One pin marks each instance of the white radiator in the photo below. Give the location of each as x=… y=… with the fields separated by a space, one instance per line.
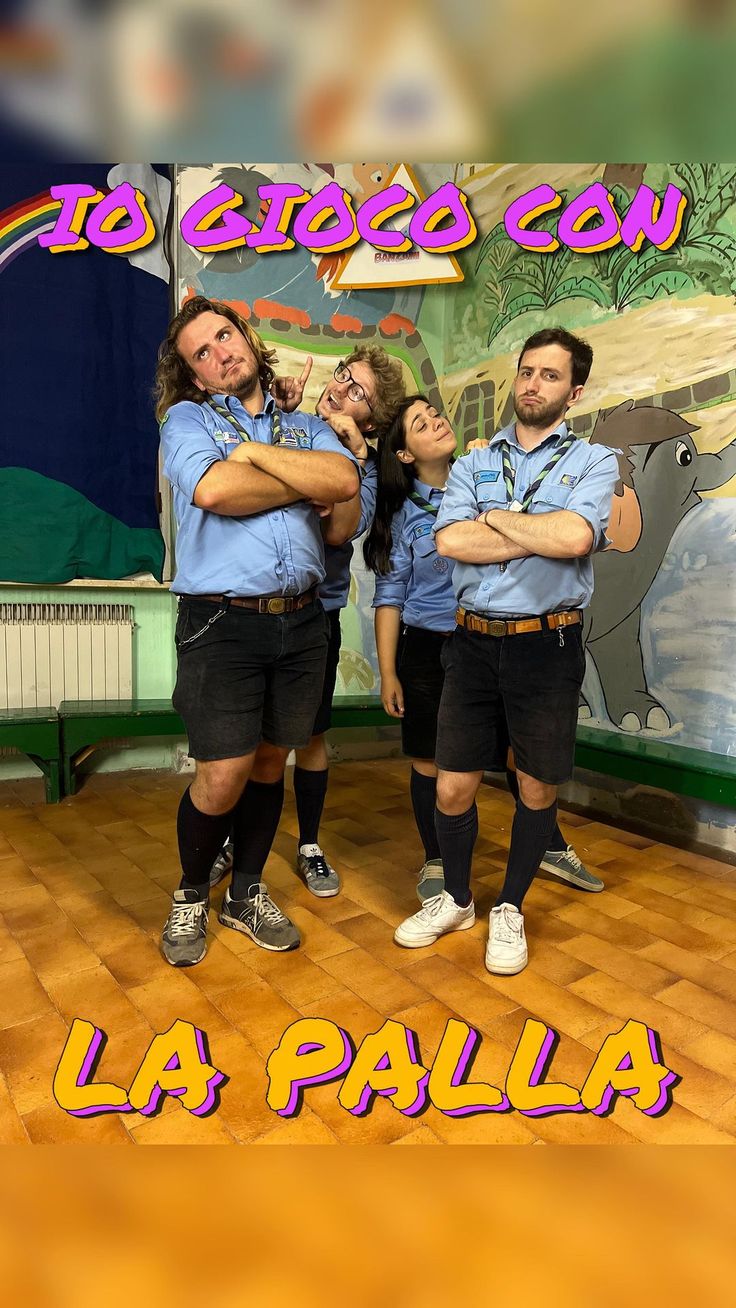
x=51 y=652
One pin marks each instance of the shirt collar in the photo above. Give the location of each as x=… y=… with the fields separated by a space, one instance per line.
x=427 y=491
x=268 y=407
x=560 y=433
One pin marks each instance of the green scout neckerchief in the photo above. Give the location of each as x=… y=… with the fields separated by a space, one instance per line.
x=509 y=476
x=416 y=498
x=223 y=412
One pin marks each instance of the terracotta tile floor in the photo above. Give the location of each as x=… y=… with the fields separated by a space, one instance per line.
x=84 y=890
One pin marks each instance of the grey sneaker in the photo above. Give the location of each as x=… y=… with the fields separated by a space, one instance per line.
x=184 y=937
x=222 y=865
x=566 y=866
x=258 y=917
x=431 y=880
x=320 y=878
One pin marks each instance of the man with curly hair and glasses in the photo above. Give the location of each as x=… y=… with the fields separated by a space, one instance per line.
x=358 y=402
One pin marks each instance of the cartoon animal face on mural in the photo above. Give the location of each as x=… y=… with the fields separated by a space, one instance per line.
x=662 y=478
x=297 y=287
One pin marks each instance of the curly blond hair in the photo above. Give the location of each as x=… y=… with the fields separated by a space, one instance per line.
x=390 y=389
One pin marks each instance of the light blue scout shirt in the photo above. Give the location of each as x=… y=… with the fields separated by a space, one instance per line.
x=277 y=552
x=582 y=481
x=420 y=581
x=334 y=589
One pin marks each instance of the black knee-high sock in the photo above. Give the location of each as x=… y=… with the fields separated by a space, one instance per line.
x=201 y=837
x=557 y=843
x=530 y=835
x=310 y=790
x=423 y=792
x=255 y=823
x=456 y=836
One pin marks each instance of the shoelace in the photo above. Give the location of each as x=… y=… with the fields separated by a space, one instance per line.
x=431 y=907
x=318 y=865
x=572 y=857
x=431 y=866
x=504 y=930
x=184 y=918
x=266 y=909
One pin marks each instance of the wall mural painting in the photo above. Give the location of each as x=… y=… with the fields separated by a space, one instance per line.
x=662 y=323
x=290 y=300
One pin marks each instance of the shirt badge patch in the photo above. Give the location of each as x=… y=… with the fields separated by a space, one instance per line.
x=423 y=529
x=568 y=480
x=229 y=437
x=440 y=565
x=479 y=477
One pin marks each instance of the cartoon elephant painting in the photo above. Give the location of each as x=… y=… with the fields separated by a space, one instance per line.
x=662 y=475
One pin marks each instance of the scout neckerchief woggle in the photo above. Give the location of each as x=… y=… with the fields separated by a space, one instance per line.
x=223 y=412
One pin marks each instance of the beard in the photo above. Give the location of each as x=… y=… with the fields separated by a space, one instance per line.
x=539 y=414
x=241 y=381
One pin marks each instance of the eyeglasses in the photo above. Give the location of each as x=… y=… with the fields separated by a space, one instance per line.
x=355 y=390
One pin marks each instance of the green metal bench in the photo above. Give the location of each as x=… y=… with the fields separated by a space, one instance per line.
x=660 y=763
x=87 y=725
x=35 y=732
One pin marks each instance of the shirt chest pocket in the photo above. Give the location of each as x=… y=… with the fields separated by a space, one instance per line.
x=490 y=495
x=423 y=547
x=550 y=496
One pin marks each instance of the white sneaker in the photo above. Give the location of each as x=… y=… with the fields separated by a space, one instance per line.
x=438 y=915
x=506 y=952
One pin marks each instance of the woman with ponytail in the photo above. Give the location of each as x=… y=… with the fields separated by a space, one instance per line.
x=414 y=601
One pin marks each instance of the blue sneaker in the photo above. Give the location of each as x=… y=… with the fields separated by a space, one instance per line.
x=431 y=880
x=565 y=865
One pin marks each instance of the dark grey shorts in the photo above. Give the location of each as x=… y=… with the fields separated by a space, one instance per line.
x=244 y=677
x=420 y=671
x=520 y=690
x=324 y=712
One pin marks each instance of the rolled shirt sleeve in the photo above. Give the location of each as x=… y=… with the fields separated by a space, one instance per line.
x=592 y=494
x=368 y=494
x=391 y=589
x=323 y=438
x=189 y=448
x=459 y=501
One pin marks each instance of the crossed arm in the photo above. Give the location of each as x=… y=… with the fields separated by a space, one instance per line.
x=256 y=477
x=500 y=535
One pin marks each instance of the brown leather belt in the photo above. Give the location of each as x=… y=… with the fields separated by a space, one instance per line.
x=498 y=627
x=262 y=603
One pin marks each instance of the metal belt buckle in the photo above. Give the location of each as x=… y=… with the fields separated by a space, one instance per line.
x=497 y=627
x=277 y=605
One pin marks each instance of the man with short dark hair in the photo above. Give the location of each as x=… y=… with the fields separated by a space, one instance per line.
x=249 y=485
x=521 y=518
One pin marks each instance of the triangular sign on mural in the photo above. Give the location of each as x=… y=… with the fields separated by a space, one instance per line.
x=366 y=268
